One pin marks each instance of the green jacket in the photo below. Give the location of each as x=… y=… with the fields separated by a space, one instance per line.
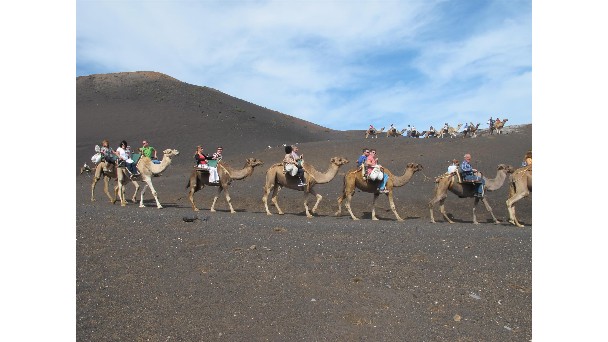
x=148 y=151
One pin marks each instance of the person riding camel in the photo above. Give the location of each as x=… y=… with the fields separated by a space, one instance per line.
x=290 y=163
x=470 y=175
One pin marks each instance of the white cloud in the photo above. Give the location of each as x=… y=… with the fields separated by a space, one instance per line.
x=336 y=63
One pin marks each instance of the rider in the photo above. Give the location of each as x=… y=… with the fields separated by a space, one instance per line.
x=149 y=151
x=453 y=167
x=372 y=129
x=527 y=159
x=362 y=159
x=290 y=161
x=372 y=163
x=469 y=175
x=107 y=153
x=124 y=155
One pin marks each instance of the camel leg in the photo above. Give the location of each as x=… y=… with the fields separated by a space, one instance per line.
x=219 y=190
x=376 y=194
x=141 y=201
x=265 y=199
x=443 y=211
x=392 y=204
x=319 y=198
x=191 y=192
x=489 y=209
x=349 y=197
x=149 y=183
x=106 y=181
x=274 y=198
x=340 y=199
x=306 y=204
x=95 y=180
x=134 y=198
x=121 y=194
x=511 y=208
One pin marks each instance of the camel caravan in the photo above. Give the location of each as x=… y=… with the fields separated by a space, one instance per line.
x=296 y=174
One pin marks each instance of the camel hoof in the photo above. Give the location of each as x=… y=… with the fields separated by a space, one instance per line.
x=195 y=209
x=159 y=207
x=475 y=222
x=212 y=210
x=142 y=206
x=375 y=219
x=401 y=220
x=497 y=222
x=268 y=214
x=355 y=219
x=233 y=212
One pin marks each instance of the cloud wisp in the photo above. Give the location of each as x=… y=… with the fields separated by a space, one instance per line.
x=340 y=64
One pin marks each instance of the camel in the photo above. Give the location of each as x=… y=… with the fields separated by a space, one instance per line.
x=106 y=178
x=454 y=131
x=499 y=126
x=471 y=130
x=428 y=134
x=394 y=132
x=417 y=134
x=276 y=178
x=147 y=169
x=450 y=182
x=451 y=131
x=520 y=186
x=374 y=134
x=199 y=179
x=354 y=178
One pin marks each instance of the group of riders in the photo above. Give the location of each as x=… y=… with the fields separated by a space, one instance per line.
x=411 y=130
x=123 y=156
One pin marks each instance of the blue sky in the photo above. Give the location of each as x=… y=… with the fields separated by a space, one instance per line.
x=340 y=64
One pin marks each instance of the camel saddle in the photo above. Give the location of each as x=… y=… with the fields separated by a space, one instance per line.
x=461 y=179
x=210 y=163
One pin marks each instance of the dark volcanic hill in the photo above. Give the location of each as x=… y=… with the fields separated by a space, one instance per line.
x=170 y=113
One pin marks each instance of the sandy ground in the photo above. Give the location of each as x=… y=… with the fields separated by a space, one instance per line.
x=145 y=274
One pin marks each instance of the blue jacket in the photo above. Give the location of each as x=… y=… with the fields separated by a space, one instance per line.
x=466 y=168
x=361 y=160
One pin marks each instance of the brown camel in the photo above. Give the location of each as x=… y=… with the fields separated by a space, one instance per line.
x=354 y=179
x=106 y=179
x=429 y=134
x=374 y=134
x=450 y=182
x=276 y=178
x=198 y=180
x=451 y=131
x=520 y=186
x=471 y=130
x=394 y=132
x=499 y=126
x=147 y=169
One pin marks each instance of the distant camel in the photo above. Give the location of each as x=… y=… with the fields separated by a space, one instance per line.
x=276 y=178
x=394 y=132
x=520 y=186
x=354 y=179
x=428 y=134
x=373 y=133
x=198 y=180
x=451 y=131
x=450 y=182
x=146 y=169
x=417 y=134
x=471 y=130
x=454 y=131
x=499 y=126
x=106 y=179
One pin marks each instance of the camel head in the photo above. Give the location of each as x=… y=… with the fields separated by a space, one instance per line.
x=170 y=153
x=253 y=162
x=414 y=166
x=339 y=161
x=506 y=167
